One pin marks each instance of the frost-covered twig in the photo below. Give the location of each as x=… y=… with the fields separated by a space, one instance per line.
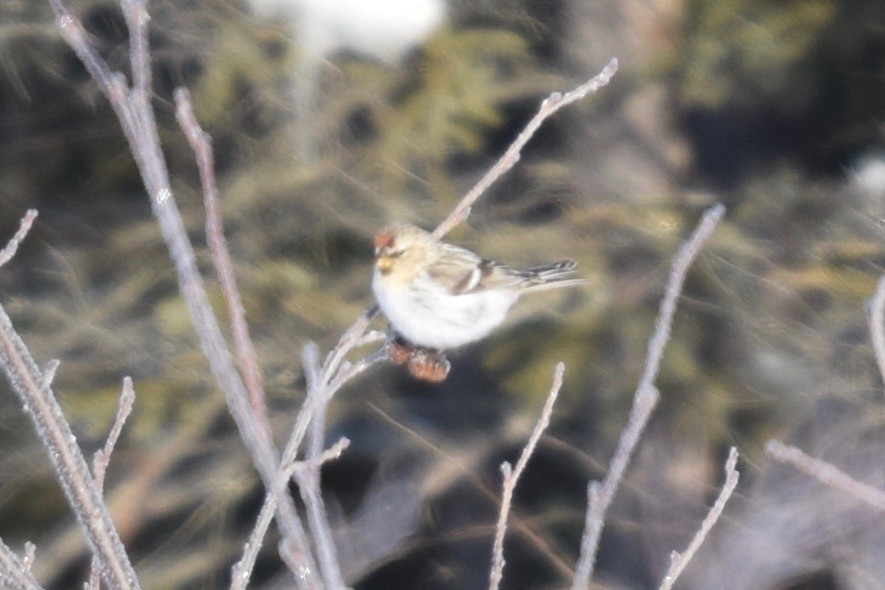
x=35 y=392
x=877 y=326
x=826 y=472
x=24 y=226
x=549 y=106
x=307 y=475
x=242 y=570
x=102 y=457
x=67 y=459
x=512 y=474
x=136 y=116
x=599 y=496
x=15 y=573
x=678 y=561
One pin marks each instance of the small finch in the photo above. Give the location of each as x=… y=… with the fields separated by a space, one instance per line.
x=439 y=296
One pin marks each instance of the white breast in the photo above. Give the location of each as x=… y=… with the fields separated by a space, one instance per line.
x=434 y=318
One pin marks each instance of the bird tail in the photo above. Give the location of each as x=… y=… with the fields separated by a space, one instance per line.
x=552 y=276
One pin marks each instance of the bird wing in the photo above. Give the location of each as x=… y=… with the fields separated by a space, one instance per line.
x=460 y=272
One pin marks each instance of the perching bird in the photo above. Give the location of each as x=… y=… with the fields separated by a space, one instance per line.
x=439 y=296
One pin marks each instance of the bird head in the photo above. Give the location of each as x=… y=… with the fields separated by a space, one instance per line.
x=401 y=249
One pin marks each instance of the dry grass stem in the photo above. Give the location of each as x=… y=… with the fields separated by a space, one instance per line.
x=600 y=496
x=678 y=561
x=511 y=156
x=826 y=472
x=512 y=474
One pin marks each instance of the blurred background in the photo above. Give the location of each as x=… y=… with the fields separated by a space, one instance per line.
x=333 y=119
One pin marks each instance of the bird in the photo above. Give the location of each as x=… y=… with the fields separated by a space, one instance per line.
x=438 y=296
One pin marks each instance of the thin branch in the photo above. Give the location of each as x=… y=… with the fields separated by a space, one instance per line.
x=600 y=496
x=242 y=570
x=826 y=472
x=136 y=118
x=549 y=106
x=247 y=358
x=102 y=457
x=15 y=573
x=877 y=325
x=512 y=475
x=678 y=561
x=49 y=371
x=307 y=475
x=30 y=555
x=67 y=459
x=24 y=226
x=34 y=390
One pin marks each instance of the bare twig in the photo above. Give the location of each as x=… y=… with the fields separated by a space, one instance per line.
x=24 y=226
x=30 y=555
x=600 y=496
x=136 y=116
x=678 y=561
x=49 y=371
x=307 y=474
x=247 y=358
x=826 y=472
x=34 y=390
x=877 y=326
x=512 y=474
x=242 y=570
x=102 y=457
x=15 y=573
x=70 y=466
x=549 y=106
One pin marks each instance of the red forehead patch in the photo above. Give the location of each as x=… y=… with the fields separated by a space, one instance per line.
x=384 y=240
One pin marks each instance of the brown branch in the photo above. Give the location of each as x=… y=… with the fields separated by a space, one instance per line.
x=549 y=106
x=826 y=472
x=247 y=358
x=512 y=474
x=600 y=496
x=678 y=561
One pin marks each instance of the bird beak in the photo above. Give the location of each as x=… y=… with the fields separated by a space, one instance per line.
x=384 y=263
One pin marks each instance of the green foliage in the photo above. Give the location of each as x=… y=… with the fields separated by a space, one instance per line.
x=741 y=52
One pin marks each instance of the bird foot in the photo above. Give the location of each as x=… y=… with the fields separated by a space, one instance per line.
x=424 y=364
x=398 y=351
x=429 y=365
